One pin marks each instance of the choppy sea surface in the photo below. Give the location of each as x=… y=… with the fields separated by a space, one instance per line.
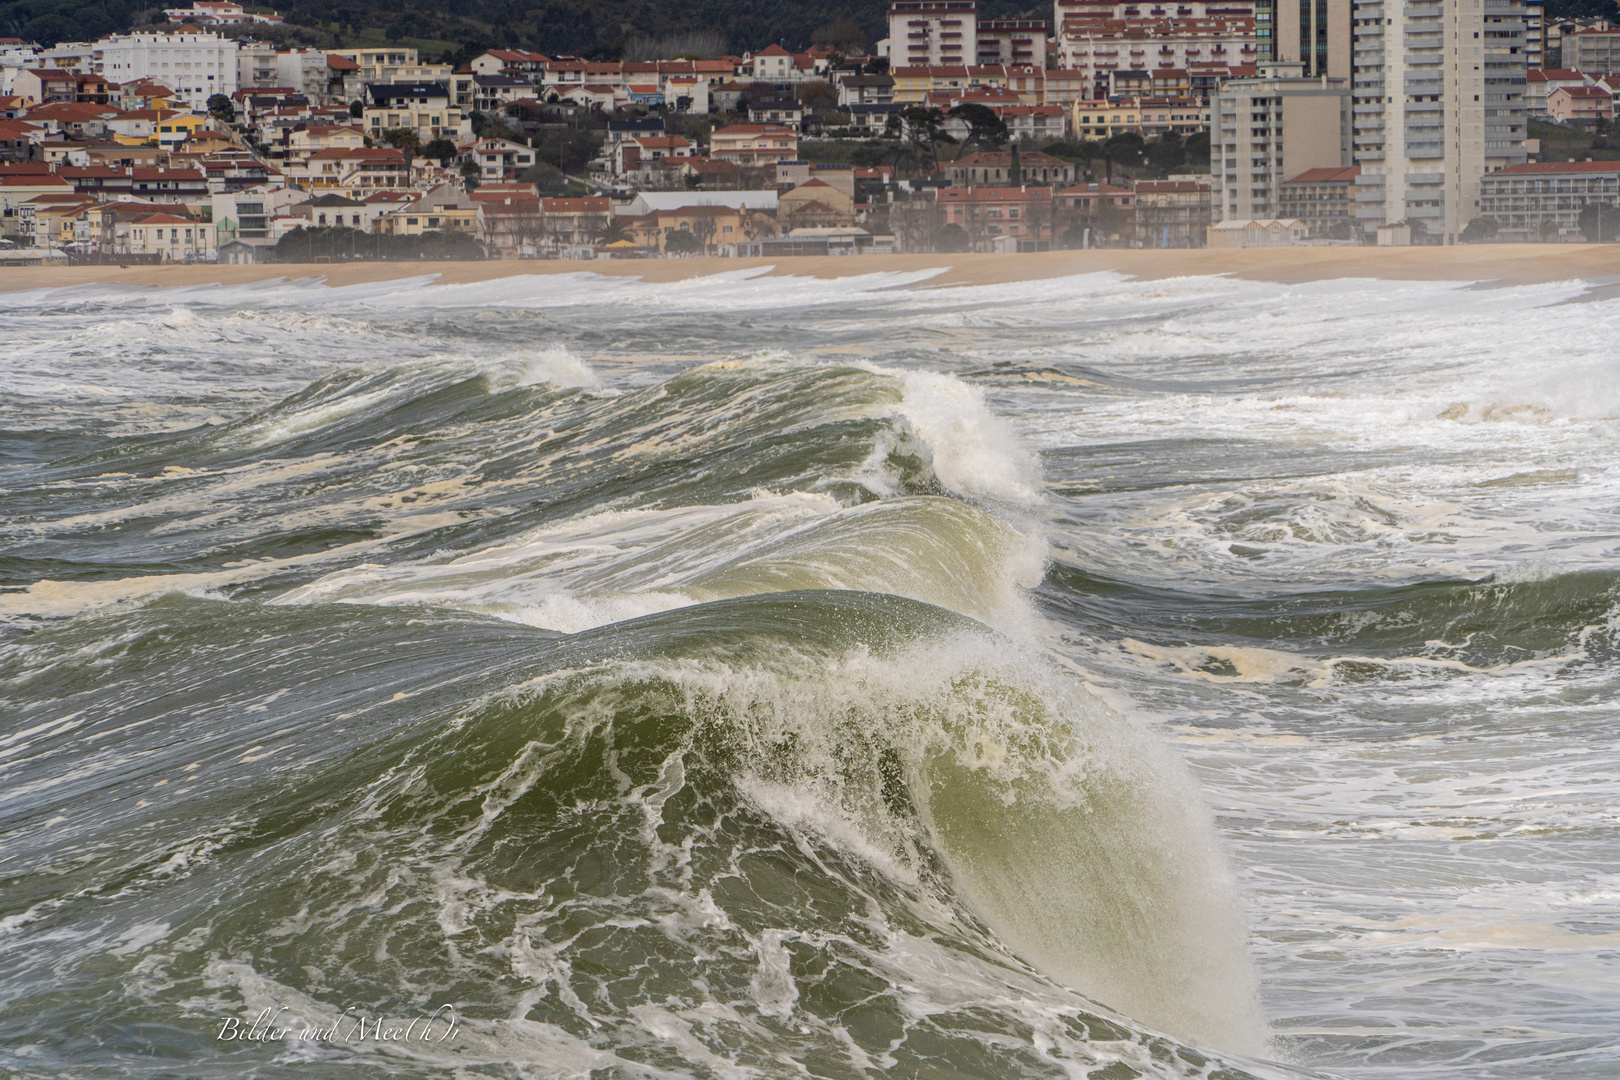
x=771 y=677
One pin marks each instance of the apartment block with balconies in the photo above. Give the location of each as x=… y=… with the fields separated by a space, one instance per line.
x=924 y=32
x=1267 y=129
x=1438 y=103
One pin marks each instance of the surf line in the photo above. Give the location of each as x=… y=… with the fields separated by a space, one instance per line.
x=441 y=1025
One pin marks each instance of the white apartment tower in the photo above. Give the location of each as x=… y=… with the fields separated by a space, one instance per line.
x=931 y=32
x=1438 y=103
x=195 y=66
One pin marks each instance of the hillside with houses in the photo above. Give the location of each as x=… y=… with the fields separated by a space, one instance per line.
x=1104 y=126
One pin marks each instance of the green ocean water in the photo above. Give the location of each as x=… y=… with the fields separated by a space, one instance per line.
x=778 y=678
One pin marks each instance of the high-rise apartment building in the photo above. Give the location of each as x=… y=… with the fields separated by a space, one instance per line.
x=1534 y=50
x=1012 y=41
x=1269 y=129
x=195 y=66
x=255 y=64
x=924 y=32
x=1091 y=10
x=1106 y=51
x=1315 y=33
x=1438 y=103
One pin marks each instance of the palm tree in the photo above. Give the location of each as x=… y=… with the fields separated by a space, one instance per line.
x=611 y=231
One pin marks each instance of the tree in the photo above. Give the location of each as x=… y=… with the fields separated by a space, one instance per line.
x=1166 y=154
x=1015 y=167
x=440 y=150
x=1039 y=220
x=357 y=109
x=1600 y=222
x=406 y=141
x=1480 y=230
x=1122 y=148
x=222 y=108
x=680 y=242
x=1197 y=149
x=844 y=33
x=915 y=223
x=568 y=150
x=1084 y=151
x=953 y=238
x=925 y=130
x=610 y=230
x=703 y=230
x=340 y=242
x=1107 y=221
x=546 y=177
x=530 y=228
x=986 y=130
x=817 y=94
x=1582 y=9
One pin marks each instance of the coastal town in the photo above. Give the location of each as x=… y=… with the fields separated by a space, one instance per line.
x=1111 y=124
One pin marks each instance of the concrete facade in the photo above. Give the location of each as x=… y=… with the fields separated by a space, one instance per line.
x=1265 y=130
x=1314 y=33
x=1439 y=102
x=194 y=66
x=1542 y=200
x=923 y=32
x=1592 y=50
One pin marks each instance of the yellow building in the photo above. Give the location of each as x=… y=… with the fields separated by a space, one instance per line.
x=444 y=209
x=711 y=226
x=911 y=85
x=175 y=130
x=1100 y=119
x=392 y=64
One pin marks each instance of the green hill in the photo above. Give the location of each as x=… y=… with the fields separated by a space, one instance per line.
x=592 y=28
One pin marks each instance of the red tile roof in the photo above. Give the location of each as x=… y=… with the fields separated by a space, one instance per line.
x=755 y=129
x=575 y=206
x=1170 y=187
x=168 y=174
x=999 y=194
x=1583 y=92
x=1533 y=167
x=1326 y=176
x=33 y=180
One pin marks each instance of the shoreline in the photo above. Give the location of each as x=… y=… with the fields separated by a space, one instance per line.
x=1492 y=264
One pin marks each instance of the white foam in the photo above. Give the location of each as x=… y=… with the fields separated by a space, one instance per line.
x=974 y=452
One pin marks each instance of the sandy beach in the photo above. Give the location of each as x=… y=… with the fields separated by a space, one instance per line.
x=1506 y=264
